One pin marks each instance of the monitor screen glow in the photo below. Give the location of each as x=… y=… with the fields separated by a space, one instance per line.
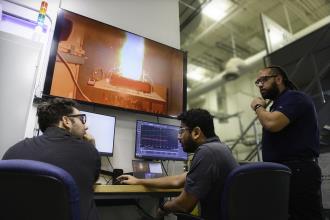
x=102 y=127
x=158 y=141
x=97 y=63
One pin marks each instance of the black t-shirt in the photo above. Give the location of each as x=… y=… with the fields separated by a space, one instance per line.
x=79 y=158
x=210 y=166
x=300 y=138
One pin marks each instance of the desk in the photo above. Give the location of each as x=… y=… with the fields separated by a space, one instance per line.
x=112 y=192
x=114 y=195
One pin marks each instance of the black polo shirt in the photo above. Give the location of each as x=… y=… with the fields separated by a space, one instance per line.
x=300 y=138
x=78 y=157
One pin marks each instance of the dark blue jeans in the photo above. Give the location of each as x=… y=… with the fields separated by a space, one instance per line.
x=305 y=201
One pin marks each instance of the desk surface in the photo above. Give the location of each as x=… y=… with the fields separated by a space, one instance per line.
x=128 y=189
x=110 y=195
x=120 y=192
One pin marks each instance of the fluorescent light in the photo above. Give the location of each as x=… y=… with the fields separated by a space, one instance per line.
x=276 y=36
x=216 y=9
x=196 y=73
x=196 y=76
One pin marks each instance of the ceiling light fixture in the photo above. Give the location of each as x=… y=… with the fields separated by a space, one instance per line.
x=217 y=9
x=196 y=73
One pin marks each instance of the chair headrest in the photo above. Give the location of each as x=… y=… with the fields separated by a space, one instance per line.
x=41 y=168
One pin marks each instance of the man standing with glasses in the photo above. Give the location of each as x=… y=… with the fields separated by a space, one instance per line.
x=64 y=143
x=211 y=164
x=291 y=137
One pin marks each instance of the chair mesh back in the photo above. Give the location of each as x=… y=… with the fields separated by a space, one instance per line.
x=259 y=191
x=36 y=192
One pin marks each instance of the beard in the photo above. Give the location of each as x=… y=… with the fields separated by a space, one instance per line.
x=272 y=93
x=77 y=130
x=189 y=145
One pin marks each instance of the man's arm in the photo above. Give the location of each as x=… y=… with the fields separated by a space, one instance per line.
x=185 y=202
x=271 y=121
x=169 y=182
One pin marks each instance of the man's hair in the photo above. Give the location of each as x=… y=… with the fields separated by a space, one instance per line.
x=277 y=70
x=198 y=118
x=50 y=112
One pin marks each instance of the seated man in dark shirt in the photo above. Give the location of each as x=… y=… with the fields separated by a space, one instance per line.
x=65 y=144
x=210 y=166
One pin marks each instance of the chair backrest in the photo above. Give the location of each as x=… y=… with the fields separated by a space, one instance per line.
x=36 y=190
x=257 y=191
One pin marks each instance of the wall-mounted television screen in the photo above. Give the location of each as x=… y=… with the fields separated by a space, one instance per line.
x=158 y=141
x=97 y=63
x=102 y=127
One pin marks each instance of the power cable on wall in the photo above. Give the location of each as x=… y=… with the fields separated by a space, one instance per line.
x=72 y=76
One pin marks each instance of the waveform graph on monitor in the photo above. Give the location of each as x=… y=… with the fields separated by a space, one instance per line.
x=159 y=138
x=158 y=141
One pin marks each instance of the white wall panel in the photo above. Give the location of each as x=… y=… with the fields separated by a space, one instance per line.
x=19 y=58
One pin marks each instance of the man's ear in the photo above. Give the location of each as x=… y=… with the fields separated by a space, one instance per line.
x=196 y=133
x=279 y=79
x=66 y=122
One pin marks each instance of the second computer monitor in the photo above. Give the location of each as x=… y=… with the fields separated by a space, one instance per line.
x=102 y=127
x=158 y=141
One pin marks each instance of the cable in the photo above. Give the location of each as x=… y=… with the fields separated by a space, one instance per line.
x=106 y=180
x=109 y=162
x=167 y=164
x=72 y=76
x=161 y=162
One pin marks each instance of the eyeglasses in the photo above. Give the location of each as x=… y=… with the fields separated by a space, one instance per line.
x=181 y=130
x=263 y=79
x=82 y=117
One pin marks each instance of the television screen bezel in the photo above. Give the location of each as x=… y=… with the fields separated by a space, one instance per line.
x=155 y=158
x=52 y=62
x=114 y=133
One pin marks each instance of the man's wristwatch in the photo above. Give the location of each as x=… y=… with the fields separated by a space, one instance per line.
x=257 y=106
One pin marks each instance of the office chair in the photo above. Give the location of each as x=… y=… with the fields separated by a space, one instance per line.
x=36 y=190
x=254 y=191
x=257 y=191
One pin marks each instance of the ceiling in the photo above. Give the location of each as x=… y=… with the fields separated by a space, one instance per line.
x=210 y=44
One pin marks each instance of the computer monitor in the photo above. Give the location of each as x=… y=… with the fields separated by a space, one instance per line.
x=147 y=169
x=158 y=141
x=102 y=127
